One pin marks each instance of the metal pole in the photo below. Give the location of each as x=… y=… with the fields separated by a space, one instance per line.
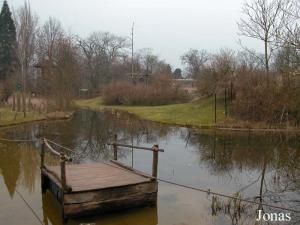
x=132 y=52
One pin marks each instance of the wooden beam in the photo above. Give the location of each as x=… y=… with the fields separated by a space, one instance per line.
x=43 y=154
x=136 y=147
x=63 y=171
x=155 y=160
x=115 y=147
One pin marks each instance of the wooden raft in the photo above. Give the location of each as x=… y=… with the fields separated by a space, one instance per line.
x=85 y=189
x=99 y=188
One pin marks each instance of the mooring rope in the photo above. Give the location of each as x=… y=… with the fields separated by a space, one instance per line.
x=228 y=196
x=208 y=191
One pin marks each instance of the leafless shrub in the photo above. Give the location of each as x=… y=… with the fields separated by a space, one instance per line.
x=161 y=91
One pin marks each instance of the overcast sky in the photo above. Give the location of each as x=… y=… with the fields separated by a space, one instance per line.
x=169 y=27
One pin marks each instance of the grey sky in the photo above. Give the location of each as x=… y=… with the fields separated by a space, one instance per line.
x=169 y=27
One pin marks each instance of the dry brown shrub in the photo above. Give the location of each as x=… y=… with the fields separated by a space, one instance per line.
x=161 y=91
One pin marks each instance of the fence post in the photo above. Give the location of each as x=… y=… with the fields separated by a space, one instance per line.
x=215 y=109
x=155 y=160
x=225 y=102
x=115 y=147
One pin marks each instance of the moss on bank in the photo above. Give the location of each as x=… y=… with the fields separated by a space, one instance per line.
x=11 y=118
x=200 y=113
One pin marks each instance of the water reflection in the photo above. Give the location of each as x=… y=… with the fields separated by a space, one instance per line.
x=258 y=167
x=19 y=166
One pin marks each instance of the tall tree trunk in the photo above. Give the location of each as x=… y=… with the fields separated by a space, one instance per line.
x=266 y=56
x=23 y=71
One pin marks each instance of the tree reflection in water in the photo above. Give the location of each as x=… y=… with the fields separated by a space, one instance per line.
x=258 y=167
x=276 y=156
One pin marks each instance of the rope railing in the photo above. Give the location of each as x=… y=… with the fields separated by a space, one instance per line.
x=135 y=147
x=50 y=148
x=63 y=159
x=155 y=149
x=53 y=151
x=60 y=146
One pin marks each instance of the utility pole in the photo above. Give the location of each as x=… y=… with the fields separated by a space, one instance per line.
x=132 y=29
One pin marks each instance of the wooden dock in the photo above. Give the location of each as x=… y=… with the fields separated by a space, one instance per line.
x=96 y=188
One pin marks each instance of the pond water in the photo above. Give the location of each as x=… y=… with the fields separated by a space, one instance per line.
x=254 y=166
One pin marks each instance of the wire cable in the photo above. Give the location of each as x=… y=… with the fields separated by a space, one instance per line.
x=31 y=209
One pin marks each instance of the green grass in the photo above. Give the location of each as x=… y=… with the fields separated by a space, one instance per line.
x=10 y=118
x=7 y=117
x=200 y=113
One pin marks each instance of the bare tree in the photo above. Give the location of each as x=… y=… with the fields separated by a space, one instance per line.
x=49 y=36
x=262 y=20
x=224 y=64
x=217 y=74
x=195 y=61
x=65 y=79
x=248 y=61
x=101 y=51
x=290 y=35
x=26 y=25
x=149 y=61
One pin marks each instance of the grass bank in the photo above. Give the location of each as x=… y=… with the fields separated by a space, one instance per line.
x=11 y=118
x=196 y=114
x=200 y=113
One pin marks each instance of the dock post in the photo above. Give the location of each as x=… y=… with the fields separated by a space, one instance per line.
x=63 y=182
x=63 y=171
x=43 y=153
x=155 y=160
x=43 y=179
x=115 y=147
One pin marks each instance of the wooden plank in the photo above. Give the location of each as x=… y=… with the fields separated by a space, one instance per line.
x=101 y=187
x=78 y=210
x=84 y=177
x=54 y=178
x=112 y=193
